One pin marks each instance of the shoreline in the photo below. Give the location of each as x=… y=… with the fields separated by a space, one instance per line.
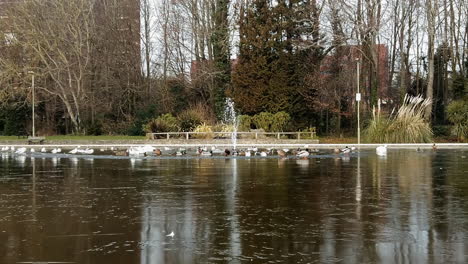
x=193 y=143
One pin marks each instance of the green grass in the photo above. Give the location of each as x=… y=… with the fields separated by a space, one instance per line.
x=70 y=137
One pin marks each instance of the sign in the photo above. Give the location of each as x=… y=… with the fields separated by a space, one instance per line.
x=358 y=97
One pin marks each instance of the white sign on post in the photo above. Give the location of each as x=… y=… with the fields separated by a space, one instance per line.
x=358 y=97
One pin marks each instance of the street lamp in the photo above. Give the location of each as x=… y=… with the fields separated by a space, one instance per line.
x=33 y=101
x=358 y=100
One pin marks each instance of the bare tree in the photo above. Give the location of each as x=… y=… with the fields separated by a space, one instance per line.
x=56 y=37
x=431 y=7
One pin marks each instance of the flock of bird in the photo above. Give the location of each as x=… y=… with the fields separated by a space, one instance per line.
x=147 y=150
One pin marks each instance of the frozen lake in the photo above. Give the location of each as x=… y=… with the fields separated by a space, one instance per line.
x=407 y=207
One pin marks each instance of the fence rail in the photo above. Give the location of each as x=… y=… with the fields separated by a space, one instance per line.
x=229 y=135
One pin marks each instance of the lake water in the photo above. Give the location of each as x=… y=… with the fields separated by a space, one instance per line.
x=408 y=207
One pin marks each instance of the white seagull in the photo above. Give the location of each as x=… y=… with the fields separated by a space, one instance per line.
x=381 y=150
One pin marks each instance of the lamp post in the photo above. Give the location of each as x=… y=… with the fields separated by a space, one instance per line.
x=33 y=102
x=358 y=100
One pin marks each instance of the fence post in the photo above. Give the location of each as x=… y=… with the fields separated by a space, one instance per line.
x=298 y=135
x=256 y=135
x=167 y=135
x=278 y=135
x=186 y=135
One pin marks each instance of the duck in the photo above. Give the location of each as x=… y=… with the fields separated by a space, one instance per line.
x=32 y=150
x=157 y=152
x=303 y=154
x=263 y=154
x=346 y=150
x=434 y=147
x=381 y=150
x=248 y=153
x=43 y=150
x=181 y=152
x=227 y=152
x=281 y=153
x=206 y=153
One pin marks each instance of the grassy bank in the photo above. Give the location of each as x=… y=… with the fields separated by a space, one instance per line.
x=69 y=137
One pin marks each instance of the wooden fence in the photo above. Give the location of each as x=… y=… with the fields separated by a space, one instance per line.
x=228 y=135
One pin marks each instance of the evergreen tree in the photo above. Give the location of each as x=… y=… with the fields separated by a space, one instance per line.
x=221 y=55
x=270 y=68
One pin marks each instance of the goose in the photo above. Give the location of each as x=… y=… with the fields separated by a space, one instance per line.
x=381 y=150
x=303 y=154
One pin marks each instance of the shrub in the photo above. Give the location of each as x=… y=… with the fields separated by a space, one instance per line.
x=245 y=122
x=263 y=120
x=206 y=129
x=163 y=123
x=189 y=120
x=406 y=126
x=280 y=121
x=94 y=129
x=457 y=113
x=309 y=132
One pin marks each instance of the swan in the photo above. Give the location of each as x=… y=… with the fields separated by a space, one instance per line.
x=303 y=154
x=381 y=150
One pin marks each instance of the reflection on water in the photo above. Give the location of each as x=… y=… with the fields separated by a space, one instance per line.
x=408 y=207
